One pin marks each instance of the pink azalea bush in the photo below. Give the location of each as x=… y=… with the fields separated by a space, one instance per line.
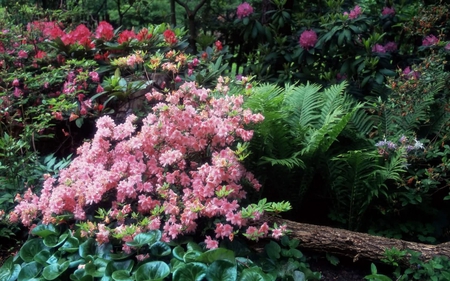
x=176 y=169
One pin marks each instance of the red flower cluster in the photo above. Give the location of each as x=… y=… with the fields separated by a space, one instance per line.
x=104 y=31
x=144 y=35
x=170 y=36
x=81 y=35
x=126 y=36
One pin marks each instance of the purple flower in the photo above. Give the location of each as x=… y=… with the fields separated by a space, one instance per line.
x=377 y=48
x=244 y=10
x=340 y=77
x=410 y=74
x=430 y=40
x=388 y=11
x=447 y=47
x=308 y=39
x=390 y=47
x=356 y=12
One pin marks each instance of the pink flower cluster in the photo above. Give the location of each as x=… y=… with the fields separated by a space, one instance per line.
x=388 y=47
x=178 y=168
x=244 y=10
x=308 y=39
x=430 y=40
x=388 y=11
x=355 y=13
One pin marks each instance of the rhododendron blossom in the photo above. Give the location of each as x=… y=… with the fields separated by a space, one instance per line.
x=244 y=10
x=177 y=169
x=170 y=37
x=308 y=39
x=388 y=11
x=104 y=31
x=355 y=13
x=125 y=36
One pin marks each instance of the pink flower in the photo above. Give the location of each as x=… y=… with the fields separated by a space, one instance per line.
x=104 y=31
x=377 y=48
x=211 y=243
x=17 y=92
x=390 y=47
x=430 y=40
x=22 y=54
x=388 y=11
x=16 y=82
x=40 y=54
x=218 y=45
x=94 y=76
x=244 y=10
x=99 y=88
x=356 y=12
x=447 y=47
x=308 y=39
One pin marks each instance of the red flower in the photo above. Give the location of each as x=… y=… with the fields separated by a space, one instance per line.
x=219 y=46
x=40 y=54
x=126 y=36
x=144 y=35
x=104 y=31
x=170 y=36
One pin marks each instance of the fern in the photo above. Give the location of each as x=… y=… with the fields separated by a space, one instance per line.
x=354 y=183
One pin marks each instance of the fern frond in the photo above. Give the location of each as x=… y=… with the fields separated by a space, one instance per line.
x=303 y=104
x=290 y=163
x=354 y=184
x=333 y=98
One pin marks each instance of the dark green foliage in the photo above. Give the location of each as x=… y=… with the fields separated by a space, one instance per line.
x=80 y=258
x=301 y=125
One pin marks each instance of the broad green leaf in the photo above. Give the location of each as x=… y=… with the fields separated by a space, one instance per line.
x=221 y=270
x=104 y=250
x=155 y=270
x=44 y=230
x=31 y=248
x=53 y=271
x=122 y=275
x=178 y=252
x=143 y=239
x=78 y=274
x=29 y=271
x=113 y=266
x=71 y=245
x=191 y=256
x=254 y=274
x=160 y=249
x=52 y=240
x=9 y=271
x=273 y=250
x=192 y=246
x=213 y=255
x=42 y=257
x=299 y=276
x=194 y=271
x=87 y=248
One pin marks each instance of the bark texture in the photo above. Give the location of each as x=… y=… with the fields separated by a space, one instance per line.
x=354 y=244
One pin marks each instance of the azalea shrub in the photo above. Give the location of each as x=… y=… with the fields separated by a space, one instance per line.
x=171 y=171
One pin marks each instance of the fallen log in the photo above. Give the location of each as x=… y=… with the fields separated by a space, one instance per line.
x=354 y=244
